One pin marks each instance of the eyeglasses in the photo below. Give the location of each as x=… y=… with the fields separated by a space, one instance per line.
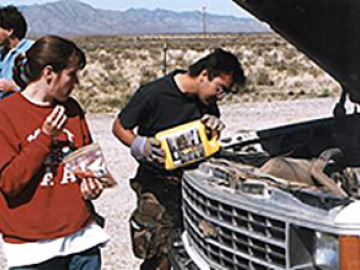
x=223 y=90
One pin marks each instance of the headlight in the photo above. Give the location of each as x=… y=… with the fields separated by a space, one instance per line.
x=309 y=248
x=337 y=253
x=326 y=254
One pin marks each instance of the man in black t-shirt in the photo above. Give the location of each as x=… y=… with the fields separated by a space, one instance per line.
x=175 y=99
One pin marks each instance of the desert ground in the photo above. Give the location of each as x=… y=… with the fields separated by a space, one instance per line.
x=283 y=86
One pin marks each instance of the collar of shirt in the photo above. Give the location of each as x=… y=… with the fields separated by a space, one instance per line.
x=19 y=47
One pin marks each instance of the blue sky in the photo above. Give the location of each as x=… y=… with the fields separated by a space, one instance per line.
x=222 y=7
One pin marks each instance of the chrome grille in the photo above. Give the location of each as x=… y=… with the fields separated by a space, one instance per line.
x=243 y=239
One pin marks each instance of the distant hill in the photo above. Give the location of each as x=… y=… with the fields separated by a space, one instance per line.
x=73 y=17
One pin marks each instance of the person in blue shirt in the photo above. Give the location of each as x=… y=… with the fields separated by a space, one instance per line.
x=13 y=28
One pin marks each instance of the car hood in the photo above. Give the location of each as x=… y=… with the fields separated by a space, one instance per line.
x=327 y=31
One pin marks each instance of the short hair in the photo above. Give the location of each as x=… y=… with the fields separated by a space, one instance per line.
x=54 y=51
x=12 y=18
x=217 y=63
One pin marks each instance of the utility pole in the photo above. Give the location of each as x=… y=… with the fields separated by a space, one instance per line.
x=204 y=19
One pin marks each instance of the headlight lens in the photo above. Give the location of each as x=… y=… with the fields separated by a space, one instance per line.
x=326 y=254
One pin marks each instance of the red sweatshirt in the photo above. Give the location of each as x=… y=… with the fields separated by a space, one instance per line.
x=39 y=200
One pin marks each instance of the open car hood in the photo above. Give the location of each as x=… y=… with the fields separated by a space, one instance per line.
x=327 y=31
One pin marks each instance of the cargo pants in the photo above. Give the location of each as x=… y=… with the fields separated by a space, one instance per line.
x=158 y=213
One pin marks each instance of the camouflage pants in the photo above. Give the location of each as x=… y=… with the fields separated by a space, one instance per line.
x=157 y=214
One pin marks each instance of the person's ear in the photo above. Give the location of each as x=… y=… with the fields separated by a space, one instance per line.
x=48 y=74
x=203 y=76
x=9 y=32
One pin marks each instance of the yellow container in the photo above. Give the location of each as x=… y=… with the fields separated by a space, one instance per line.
x=186 y=144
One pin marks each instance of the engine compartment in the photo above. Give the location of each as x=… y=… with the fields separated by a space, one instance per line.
x=316 y=161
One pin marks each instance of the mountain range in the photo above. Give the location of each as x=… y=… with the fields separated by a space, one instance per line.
x=73 y=17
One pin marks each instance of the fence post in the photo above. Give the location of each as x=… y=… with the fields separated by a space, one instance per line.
x=164 y=66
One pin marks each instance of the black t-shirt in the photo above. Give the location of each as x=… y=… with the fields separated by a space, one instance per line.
x=160 y=105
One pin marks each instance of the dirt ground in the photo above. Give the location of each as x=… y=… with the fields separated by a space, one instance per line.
x=117 y=204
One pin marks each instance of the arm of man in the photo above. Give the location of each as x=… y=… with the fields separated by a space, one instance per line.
x=126 y=136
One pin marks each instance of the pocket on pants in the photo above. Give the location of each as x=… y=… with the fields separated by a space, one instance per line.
x=141 y=240
x=149 y=227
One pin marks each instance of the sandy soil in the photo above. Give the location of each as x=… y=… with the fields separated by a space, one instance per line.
x=117 y=204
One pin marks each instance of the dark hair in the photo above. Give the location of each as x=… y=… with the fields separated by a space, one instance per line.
x=217 y=63
x=54 y=51
x=11 y=18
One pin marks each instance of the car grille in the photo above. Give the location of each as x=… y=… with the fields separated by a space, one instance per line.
x=240 y=239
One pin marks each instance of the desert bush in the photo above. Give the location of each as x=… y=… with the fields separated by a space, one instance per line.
x=147 y=75
x=129 y=55
x=263 y=78
x=290 y=53
x=325 y=92
x=292 y=71
x=315 y=71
